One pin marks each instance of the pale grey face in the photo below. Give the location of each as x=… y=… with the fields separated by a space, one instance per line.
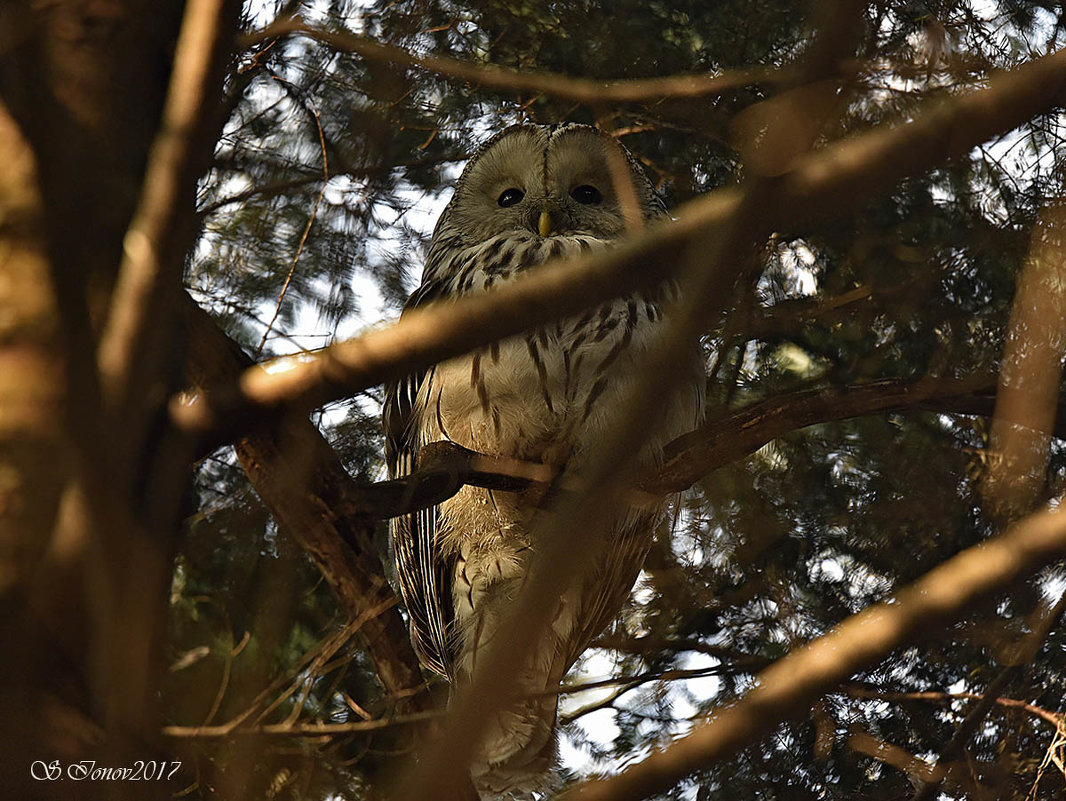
x=546 y=181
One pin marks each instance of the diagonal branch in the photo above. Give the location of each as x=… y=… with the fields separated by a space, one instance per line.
x=826 y=184
x=302 y=483
x=789 y=688
x=917 y=770
x=730 y=437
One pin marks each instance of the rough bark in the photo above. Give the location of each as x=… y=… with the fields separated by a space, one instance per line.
x=315 y=501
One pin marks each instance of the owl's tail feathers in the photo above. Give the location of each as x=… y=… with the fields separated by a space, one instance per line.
x=518 y=751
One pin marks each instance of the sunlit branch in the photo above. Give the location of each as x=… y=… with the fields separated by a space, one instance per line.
x=1027 y=398
x=824 y=185
x=917 y=770
x=794 y=683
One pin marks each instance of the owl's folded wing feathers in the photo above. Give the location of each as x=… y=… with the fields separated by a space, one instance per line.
x=425 y=576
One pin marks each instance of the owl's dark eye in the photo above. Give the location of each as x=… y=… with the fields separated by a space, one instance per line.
x=509 y=197
x=586 y=194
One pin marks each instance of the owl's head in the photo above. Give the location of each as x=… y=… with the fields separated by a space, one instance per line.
x=549 y=180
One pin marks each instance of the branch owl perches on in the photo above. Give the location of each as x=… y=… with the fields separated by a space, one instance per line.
x=528 y=195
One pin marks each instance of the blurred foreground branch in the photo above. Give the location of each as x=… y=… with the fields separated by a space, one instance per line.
x=823 y=185
x=794 y=683
x=1027 y=400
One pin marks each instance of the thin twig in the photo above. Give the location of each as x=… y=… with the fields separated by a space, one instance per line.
x=957 y=744
x=301 y=729
x=580 y=90
x=1054 y=718
x=307 y=228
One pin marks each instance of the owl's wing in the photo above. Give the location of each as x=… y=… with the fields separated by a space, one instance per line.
x=425 y=576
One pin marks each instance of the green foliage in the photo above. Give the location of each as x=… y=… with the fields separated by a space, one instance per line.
x=354 y=155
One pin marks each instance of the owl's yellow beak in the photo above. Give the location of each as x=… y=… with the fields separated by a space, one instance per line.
x=545 y=224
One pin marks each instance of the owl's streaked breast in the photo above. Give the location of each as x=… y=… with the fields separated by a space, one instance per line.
x=530 y=195
x=498 y=400
x=511 y=398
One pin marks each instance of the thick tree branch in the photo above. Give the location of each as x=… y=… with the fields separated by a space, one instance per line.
x=312 y=497
x=149 y=275
x=445 y=467
x=725 y=439
x=578 y=90
x=1030 y=373
x=794 y=683
x=136 y=363
x=820 y=186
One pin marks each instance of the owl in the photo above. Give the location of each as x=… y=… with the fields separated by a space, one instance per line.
x=528 y=195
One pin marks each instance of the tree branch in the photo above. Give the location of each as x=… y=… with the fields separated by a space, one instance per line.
x=578 y=90
x=1054 y=718
x=794 y=683
x=820 y=186
x=313 y=498
x=445 y=467
x=149 y=275
x=725 y=439
x=301 y=729
x=918 y=771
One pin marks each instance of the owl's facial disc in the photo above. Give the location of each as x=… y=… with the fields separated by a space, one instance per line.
x=545 y=182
